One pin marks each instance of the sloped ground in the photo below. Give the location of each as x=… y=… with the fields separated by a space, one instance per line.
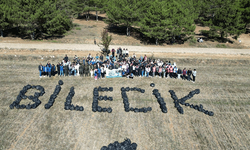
x=222 y=79
x=86 y=31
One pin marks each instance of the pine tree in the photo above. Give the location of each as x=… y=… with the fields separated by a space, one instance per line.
x=123 y=12
x=42 y=16
x=225 y=18
x=106 y=40
x=166 y=19
x=89 y=5
x=66 y=6
x=78 y=6
x=154 y=20
x=99 y=4
x=7 y=14
x=245 y=11
x=182 y=14
x=53 y=21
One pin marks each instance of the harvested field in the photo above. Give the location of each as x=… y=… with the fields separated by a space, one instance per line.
x=224 y=86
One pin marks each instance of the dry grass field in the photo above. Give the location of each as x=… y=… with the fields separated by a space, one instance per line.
x=222 y=79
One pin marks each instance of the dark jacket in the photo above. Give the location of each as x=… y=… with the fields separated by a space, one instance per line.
x=58 y=67
x=179 y=71
x=66 y=58
x=81 y=68
x=40 y=68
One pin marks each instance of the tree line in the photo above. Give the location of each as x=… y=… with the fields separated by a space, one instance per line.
x=156 y=19
x=165 y=20
x=42 y=17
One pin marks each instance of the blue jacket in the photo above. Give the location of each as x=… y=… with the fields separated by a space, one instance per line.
x=48 y=69
x=44 y=69
x=61 y=68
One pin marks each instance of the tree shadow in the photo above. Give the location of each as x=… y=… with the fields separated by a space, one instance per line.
x=138 y=35
x=213 y=37
x=247 y=31
x=120 y=30
x=12 y=32
x=91 y=17
x=17 y=32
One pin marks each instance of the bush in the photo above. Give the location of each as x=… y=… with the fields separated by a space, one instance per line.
x=193 y=40
x=78 y=28
x=221 y=46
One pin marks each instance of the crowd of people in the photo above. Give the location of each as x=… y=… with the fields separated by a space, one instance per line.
x=131 y=66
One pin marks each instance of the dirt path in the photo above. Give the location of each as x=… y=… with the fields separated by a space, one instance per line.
x=92 y=47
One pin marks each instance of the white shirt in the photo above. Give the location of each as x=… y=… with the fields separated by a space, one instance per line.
x=194 y=73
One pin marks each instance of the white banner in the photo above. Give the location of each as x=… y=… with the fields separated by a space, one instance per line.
x=114 y=73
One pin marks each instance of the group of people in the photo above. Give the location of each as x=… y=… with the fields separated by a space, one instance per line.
x=130 y=66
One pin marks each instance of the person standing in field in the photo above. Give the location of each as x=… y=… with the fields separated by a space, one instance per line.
x=184 y=73
x=61 y=70
x=160 y=71
x=175 y=72
x=86 y=70
x=189 y=73
x=194 y=75
x=179 y=73
x=58 y=68
x=44 y=71
x=91 y=68
x=113 y=52
x=81 y=70
x=95 y=74
x=99 y=73
x=66 y=58
x=127 y=52
x=147 y=71
x=49 y=70
x=153 y=70
x=40 y=68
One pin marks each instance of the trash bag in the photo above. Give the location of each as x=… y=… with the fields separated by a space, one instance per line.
x=125 y=145
x=60 y=82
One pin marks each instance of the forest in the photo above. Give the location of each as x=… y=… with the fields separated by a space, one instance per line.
x=159 y=20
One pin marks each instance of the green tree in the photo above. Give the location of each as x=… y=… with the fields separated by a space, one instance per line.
x=98 y=6
x=29 y=12
x=106 y=40
x=225 y=18
x=78 y=6
x=53 y=21
x=245 y=11
x=89 y=5
x=66 y=6
x=7 y=14
x=182 y=14
x=154 y=19
x=42 y=16
x=166 y=19
x=123 y=12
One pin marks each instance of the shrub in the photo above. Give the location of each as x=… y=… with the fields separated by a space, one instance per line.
x=221 y=46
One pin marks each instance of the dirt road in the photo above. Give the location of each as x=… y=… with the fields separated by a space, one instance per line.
x=92 y=47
